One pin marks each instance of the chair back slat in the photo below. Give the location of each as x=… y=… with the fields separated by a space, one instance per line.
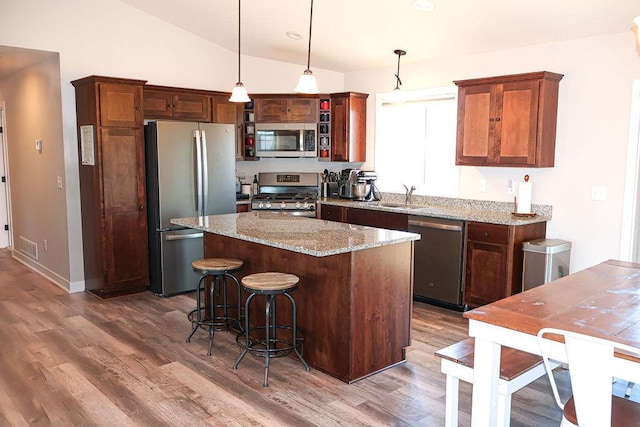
x=591 y=361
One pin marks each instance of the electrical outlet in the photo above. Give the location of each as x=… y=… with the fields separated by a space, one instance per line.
x=511 y=185
x=598 y=192
x=483 y=186
x=45 y=245
x=59 y=182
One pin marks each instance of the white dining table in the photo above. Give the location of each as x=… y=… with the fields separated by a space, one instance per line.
x=602 y=301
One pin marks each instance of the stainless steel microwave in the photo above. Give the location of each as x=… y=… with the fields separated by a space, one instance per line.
x=286 y=140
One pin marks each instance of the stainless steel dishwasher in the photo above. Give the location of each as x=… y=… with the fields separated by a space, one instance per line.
x=438 y=261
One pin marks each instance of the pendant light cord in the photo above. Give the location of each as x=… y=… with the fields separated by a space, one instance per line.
x=398 y=81
x=400 y=53
x=309 y=51
x=239 y=39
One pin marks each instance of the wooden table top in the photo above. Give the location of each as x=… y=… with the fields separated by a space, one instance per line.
x=603 y=301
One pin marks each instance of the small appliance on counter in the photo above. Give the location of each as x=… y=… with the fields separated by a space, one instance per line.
x=347 y=183
x=368 y=179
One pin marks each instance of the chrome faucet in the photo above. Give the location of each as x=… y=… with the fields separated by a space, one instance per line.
x=408 y=193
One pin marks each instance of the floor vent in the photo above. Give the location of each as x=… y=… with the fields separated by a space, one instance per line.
x=29 y=248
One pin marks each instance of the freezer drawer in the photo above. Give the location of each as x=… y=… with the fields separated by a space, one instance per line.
x=175 y=250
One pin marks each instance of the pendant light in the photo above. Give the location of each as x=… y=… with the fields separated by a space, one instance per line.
x=239 y=93
x=307 y=82
x=400 y=53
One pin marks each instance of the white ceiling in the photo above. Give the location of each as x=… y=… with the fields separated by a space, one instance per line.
x=351 y=35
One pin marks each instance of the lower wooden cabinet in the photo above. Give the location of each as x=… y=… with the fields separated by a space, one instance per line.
x=242 y=207
x=494 y=260
x=368 y=217
x=332 y=213
x=379 y=219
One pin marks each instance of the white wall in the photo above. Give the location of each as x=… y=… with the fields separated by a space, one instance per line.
x=107 y=37
x=592 y=135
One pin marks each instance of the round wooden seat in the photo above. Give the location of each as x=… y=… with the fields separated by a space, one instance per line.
x=270 y=281
x=213 y=265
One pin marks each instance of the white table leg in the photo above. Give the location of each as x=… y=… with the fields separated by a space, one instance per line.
x=451 y=401
x=484 y=408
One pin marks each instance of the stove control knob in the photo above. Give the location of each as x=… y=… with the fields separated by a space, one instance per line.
x=283 y=205
x=261 y=205
x=298 y=205
x=267 y=205
x=305 y=205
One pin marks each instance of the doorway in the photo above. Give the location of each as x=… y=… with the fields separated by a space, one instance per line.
x=5 y=234
x=630 y=238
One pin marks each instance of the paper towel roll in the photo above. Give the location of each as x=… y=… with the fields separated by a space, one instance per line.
x=524 y=198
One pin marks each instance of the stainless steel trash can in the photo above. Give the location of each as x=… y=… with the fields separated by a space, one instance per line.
x=544 y=260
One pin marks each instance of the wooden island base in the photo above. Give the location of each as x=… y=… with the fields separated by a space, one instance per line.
x=354 y=308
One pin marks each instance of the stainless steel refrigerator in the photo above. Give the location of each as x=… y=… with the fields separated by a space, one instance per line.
x=190 y=172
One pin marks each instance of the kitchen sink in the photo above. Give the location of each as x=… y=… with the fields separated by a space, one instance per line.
x=398 y=205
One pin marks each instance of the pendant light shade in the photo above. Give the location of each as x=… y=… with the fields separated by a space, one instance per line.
x=400 y=53
x=239 y=93
x=307 y=82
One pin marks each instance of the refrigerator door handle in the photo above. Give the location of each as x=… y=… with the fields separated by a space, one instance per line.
x=198 y=171
x=205 y=175
x=184 y=236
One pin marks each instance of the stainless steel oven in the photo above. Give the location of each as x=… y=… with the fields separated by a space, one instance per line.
x=290 y=193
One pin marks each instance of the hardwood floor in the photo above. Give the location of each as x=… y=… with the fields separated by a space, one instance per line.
x=76 y=360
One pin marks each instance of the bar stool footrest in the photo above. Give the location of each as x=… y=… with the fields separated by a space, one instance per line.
x=258 y=347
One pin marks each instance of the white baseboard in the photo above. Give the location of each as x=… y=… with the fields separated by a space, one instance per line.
x=53 y=277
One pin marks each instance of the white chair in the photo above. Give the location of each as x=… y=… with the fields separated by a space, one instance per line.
x=590 y=361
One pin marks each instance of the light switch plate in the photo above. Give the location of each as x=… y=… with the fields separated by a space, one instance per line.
x=483 y=185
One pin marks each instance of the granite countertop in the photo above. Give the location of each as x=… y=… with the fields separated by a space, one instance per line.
x=309 y=236
x=449 y=208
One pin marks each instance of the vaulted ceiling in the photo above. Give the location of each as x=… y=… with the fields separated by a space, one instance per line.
x=350 y=35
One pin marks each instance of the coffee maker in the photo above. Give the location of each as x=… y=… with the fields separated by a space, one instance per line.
x=369 y=178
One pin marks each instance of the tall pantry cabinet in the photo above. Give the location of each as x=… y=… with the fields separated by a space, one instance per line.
x=112 y=184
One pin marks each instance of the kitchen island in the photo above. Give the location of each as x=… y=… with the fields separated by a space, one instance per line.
x=355 y=293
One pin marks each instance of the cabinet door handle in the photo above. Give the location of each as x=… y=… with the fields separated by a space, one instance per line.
x=486 y=234
x=497 y=119
x=491 y=119
x=141 y=208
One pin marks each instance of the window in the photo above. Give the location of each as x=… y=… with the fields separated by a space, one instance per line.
x=416 y=141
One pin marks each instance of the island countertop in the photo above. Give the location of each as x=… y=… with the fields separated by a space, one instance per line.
x=309 y=236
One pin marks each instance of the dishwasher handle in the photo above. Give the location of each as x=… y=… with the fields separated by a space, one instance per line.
x=436 y=225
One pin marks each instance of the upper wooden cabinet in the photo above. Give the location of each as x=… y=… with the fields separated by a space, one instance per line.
x=176 y=103
x=508 y=120
x=225 y=111
x=287 y=109
x=349 y=127
x=120 y=105
x=112 y=185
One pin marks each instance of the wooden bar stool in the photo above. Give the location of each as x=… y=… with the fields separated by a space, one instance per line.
x=215 y=316
x=270 y=284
